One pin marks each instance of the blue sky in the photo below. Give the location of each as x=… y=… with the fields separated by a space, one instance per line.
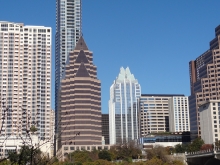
x=155 y=38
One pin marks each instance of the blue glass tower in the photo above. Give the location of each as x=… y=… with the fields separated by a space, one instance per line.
x=123 y=115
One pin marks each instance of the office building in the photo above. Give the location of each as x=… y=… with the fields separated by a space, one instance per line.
x=105 y=127
x=123 y=114
x=179 y=114
x=204 y=81
x=154 y=113
x=79 y=112
x=165 y=140
x=209 y=121
x=25 y=79
x=68 y=32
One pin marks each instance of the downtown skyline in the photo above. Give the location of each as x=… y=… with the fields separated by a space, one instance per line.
x=169 y=40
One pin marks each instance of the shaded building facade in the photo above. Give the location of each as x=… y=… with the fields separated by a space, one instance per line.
x=204 y=81
x=105 y=127
x=123 y=114
x=79 y=110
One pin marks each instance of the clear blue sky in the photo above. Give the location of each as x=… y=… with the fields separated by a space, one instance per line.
x=155 y=38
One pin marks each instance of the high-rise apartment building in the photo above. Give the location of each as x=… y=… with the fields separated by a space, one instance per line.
x=204 y=81
x=154 y=113
x=52 y=129
x=79 y=112
x=105 y=127
x=179 y=114
x=68 y=32
x=123 y=114
x=25 y=79
x=209 y=121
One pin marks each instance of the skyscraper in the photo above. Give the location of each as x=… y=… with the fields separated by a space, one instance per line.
x=123 y=115
x=68 y=32
x=204 y=81
x=25 y=78
x=79 y=110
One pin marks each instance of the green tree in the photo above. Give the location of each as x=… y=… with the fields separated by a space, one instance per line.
x=154 y=161
x=27 y=155
x=180 y=148
x=195 y=145
x=105 y=155
x=126 y=150
x=157 y=152
x=33 y=129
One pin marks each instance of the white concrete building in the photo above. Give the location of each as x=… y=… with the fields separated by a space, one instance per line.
x=123 y=112
x=179 y=114
x=25 y=79
x=209 y=121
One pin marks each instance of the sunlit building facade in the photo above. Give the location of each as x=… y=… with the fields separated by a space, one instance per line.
x=123 y=114
x=68 y=32
x=204 y=81
x=179 y=114
x=25 y=79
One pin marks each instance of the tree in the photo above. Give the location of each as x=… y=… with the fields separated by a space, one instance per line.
x=157 y=152
x=195 y=145
x=180 y=148
x=27 y=155
x=126 y=150
x=33 y=129
x=154 y=161
x=207 y=147
x=105 y=155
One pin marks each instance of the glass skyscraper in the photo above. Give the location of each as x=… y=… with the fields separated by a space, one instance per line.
x=68 y=32
x=123 y=115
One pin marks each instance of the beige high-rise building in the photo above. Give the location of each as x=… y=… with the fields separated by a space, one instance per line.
x=154 y=113
x=79 y=112
x=25 y=79
x=204 y=81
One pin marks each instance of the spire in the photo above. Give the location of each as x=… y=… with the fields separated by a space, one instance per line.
x=81 y=45
x=82 y=71
x=125 y=74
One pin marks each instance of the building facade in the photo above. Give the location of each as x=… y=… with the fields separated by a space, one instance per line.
x=165 y=140
x=123 y=114
x=52 y=129
x=68 y=32
x=204 y=81
x=179 y=114
x=25 y=79
x=79 y=112
x=105 y=127
x=209 y=121
x=154 y=113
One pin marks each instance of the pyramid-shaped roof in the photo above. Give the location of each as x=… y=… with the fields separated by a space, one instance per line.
x=81 y=45
x=81 y=57
x=82 y=71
